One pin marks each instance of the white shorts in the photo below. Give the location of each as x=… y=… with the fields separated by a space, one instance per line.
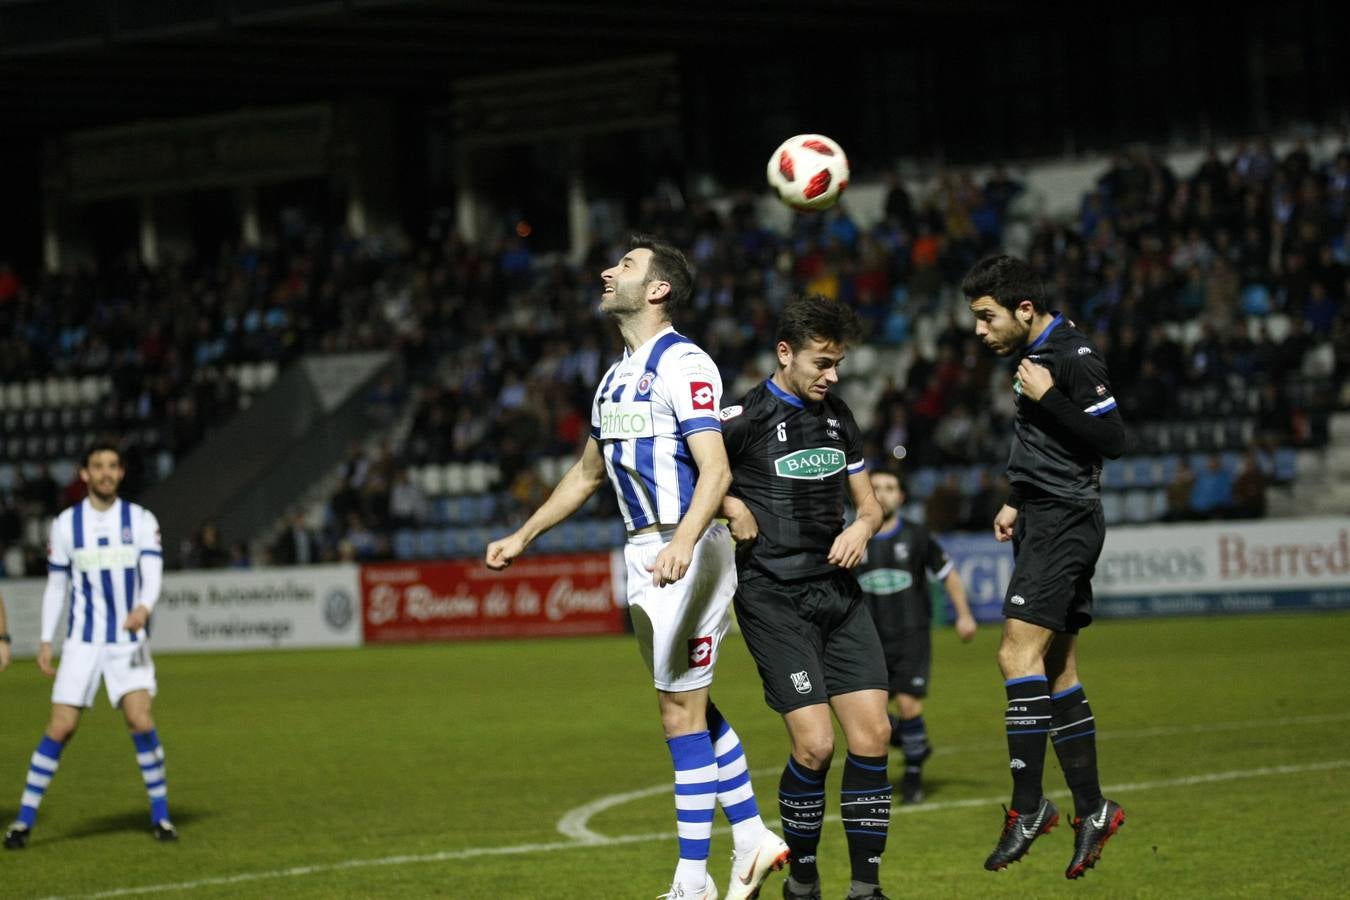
x=680 y=626
x=123 y=667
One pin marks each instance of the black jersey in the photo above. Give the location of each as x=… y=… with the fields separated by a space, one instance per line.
x=790 y=463
x=894 y=576
x=1045 y=455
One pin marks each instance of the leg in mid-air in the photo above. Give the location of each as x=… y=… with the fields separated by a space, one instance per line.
x=1073 y=734
x=1026 y=723
x=758 y=851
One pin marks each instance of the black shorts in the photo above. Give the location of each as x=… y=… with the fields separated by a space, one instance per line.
x=811 y=639
x=1056 y=543
x=909 y=657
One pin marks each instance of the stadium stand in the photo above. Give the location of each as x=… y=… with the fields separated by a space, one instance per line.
x=1218 y=296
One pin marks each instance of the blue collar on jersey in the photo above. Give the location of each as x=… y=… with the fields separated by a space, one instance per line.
x=669 y=329
x=899 y=527
x=1059 y=317
x=783 y=395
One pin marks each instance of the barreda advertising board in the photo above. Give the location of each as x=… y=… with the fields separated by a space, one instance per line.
x=537 y=596
x=1202 y=568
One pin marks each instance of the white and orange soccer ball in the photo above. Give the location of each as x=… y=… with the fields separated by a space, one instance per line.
x=809 y=172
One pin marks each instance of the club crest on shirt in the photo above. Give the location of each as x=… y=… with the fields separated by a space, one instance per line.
x=1101 y=390
x=645 y=382
x=126 y=535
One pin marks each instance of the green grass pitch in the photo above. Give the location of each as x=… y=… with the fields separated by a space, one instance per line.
x=444 y=771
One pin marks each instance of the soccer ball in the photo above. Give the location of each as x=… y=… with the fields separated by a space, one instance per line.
x=809 y=172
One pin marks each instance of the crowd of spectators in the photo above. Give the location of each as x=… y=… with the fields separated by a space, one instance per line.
x=502 y=349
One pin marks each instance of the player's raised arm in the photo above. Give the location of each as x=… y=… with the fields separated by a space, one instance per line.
x=714 y=477
x=583 y=479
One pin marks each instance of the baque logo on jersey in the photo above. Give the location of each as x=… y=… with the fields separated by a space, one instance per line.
x=701 y=392
x=885 y=581
x=813 y=464
x=626 y=420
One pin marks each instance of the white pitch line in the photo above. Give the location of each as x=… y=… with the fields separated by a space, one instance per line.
x=600 y=840
x=575 y=823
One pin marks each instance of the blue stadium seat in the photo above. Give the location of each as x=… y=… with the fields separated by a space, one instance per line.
x=427 y=543
x=1286 y=464
x=404 y=545
x=922 y=482
x=1116 y=473
x=1111 y=507
x=1137 y=507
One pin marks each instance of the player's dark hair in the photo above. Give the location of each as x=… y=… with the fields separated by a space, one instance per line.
x=814 y=317
x=100 y=447
x=899 y=479
x=1008 y=280
x=668 y=264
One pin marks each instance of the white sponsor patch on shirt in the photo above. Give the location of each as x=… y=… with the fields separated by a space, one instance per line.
x=626 y=419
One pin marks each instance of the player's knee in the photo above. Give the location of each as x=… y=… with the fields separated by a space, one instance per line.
x=1017 y=660
x=61 y=730
x=815 y=750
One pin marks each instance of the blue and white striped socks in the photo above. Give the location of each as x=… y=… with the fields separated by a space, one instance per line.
x=695 y=803
x=41 y=767
x=150 y=757
x=735 y=793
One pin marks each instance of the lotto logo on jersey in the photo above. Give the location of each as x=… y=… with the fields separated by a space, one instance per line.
x=701 y=393
x=700 y=652
x=814 y=464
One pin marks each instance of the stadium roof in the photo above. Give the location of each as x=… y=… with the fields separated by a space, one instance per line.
x=80 y=63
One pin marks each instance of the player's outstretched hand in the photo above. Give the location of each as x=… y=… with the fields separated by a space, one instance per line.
x=847 y=550
x=966 y=627
x=501 y=552
x=1003 y=523
x=44 y=660
x=671 y=563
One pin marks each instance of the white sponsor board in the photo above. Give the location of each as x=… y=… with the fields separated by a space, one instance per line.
x=226 y=609
x=1265 y=555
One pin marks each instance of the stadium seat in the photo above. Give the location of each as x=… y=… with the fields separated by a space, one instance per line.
x=8 y=477
x=1286 y=464
x=267 y=374
x=1117 y=473
x=89 y=390
x=32 y=394
x=433 y=480
x=428 y=543
x=478 y=478
x=404 y=544
x=922 y=483
x=455 y=478
x=1138 y=506
x=1111 y=507
x=246 y=376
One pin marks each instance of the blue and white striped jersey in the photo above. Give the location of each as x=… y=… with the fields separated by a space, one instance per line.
x=648 y=403
x=94 y=561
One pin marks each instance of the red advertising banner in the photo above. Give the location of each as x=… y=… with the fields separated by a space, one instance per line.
x=537 y=596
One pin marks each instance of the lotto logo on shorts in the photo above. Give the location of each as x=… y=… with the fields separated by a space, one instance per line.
x=700 y=652
x=701 y=392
